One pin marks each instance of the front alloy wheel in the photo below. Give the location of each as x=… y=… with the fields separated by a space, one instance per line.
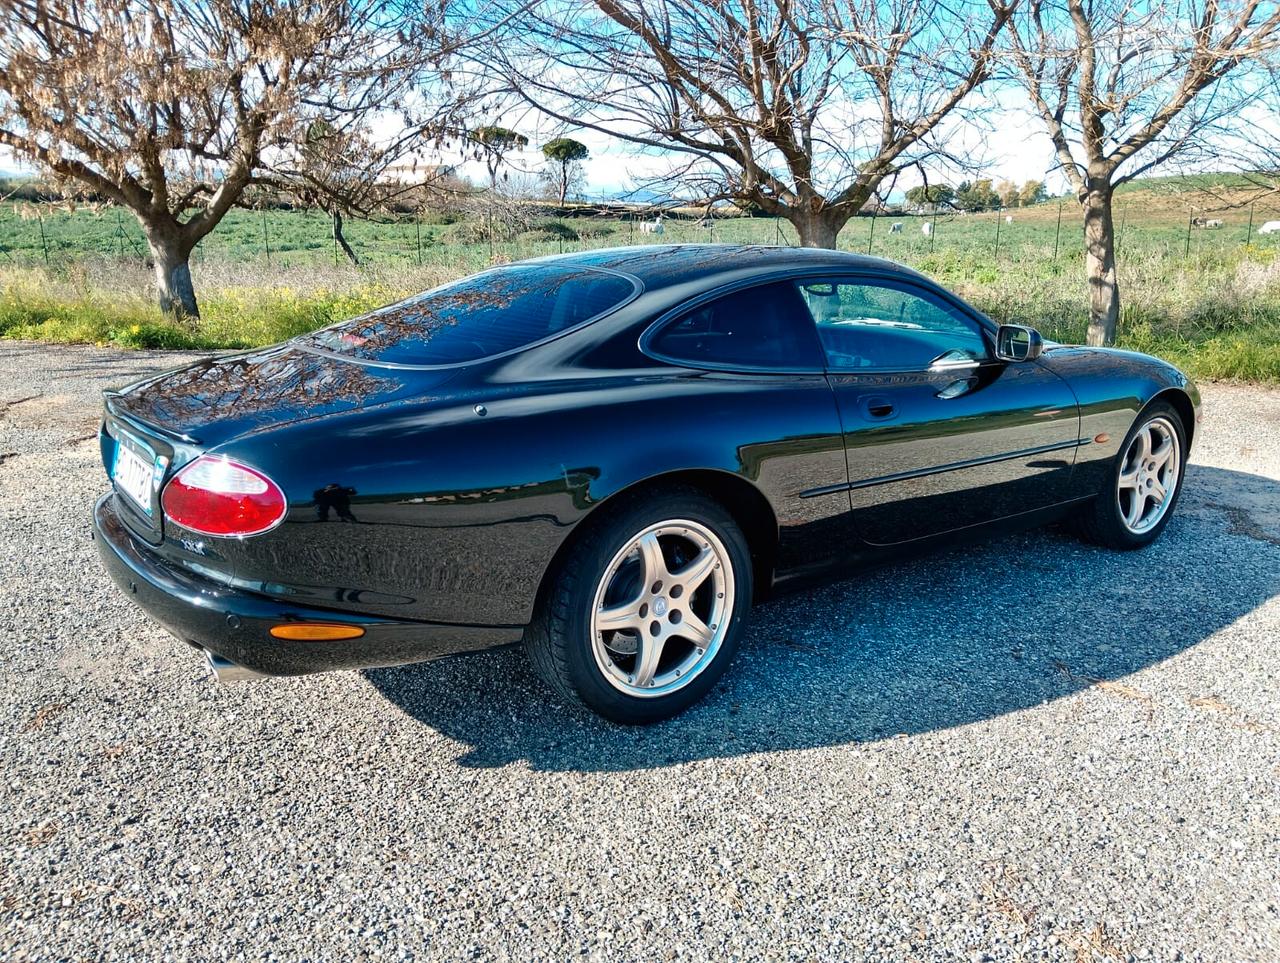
x=1148 y=477
x=1143 y=484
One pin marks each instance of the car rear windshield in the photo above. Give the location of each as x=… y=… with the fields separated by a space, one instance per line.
x=477 y=317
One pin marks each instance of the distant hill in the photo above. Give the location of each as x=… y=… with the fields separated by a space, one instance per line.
x=1176 y=197
x=1174 y=184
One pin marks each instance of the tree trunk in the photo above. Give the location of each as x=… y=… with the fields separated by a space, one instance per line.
x=816 y=229
x=1100 y=263
x=564 y=183
x=341 y=238
x=173 y=274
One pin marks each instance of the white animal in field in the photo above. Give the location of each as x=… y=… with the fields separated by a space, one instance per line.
x=1213 y=224
x=926 y=228
x=652 y=227
x=1271 y=227
x=895 y=227
x=1008 y=218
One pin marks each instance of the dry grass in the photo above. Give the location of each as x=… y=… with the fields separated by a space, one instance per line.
x=39 y=835
x=45 y=715
x=1234 y=716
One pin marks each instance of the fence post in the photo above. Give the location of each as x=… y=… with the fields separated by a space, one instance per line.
x=1057 y=233
x=872 y=236
x=1248 y=234
x=1186 y=248
x=44 y=243
x=777 y=231
x=933 y=232
x=333 y=229
x=999 y=218
x=120 y=233
x=266 y=241
x=417 y=226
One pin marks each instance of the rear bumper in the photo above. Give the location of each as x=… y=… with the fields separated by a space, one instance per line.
x=234 y=624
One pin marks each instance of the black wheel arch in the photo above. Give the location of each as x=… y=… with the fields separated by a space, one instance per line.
x=743 y=500
x=1183 y=404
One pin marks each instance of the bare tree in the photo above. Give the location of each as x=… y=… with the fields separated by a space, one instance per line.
x=1253 y=147
x=173 y=108
x=345 y=172
x=1124 y=86
x=800 y=108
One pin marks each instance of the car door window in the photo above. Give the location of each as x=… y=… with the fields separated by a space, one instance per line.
x=888 y=326
x=762 y=327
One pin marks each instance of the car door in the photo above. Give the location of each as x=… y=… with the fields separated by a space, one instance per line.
x=939 y=434
x=759 y=398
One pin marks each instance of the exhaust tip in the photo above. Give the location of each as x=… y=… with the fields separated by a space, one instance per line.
x=224 y=670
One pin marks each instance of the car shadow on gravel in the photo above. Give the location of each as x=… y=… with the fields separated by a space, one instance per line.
x=932 y=643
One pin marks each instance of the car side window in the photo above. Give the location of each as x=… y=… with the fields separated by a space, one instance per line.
x=765 y=326
x=887 y=325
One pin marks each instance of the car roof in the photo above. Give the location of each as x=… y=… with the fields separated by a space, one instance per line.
x=662 y=265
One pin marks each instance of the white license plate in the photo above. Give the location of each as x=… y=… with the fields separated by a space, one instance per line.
x=133 y=475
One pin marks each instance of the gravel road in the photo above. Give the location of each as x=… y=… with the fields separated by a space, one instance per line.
x=1032 y=749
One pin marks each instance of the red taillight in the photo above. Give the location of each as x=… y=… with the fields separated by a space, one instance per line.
x=217 y=496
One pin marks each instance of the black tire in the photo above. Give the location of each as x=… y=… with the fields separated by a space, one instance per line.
x=559 y=641
x=1100 y=521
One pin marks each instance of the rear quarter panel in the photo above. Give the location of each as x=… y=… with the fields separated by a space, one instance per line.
x=457 y=515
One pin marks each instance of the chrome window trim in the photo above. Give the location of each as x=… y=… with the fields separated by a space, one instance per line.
x=985 y=325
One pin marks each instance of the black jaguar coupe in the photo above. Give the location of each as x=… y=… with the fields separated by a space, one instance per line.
x=607 y=456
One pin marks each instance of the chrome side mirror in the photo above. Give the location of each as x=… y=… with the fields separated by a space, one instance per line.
x=1017 y=342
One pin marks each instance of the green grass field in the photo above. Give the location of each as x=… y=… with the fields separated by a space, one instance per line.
x=1153 y=220
x=1206 y=299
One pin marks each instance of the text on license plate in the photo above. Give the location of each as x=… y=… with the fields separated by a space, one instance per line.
x=133 y=476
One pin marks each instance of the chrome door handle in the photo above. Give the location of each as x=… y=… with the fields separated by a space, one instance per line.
x=959 y=364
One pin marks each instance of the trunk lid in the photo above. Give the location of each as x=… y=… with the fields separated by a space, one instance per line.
x=212 y=401
x=168 y=419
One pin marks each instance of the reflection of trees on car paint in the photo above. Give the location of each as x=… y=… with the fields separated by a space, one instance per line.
x=478 y=316
x=258 y=383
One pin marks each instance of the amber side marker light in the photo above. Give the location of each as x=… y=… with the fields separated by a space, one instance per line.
x=316 y=632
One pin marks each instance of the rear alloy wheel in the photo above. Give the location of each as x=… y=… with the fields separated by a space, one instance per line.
x=660 y=612
x=645 y=615
x=1143 y=485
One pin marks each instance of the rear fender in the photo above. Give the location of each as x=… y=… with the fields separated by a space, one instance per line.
x=455 y=515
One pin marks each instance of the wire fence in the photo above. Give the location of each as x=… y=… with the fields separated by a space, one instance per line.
x=32 y=235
